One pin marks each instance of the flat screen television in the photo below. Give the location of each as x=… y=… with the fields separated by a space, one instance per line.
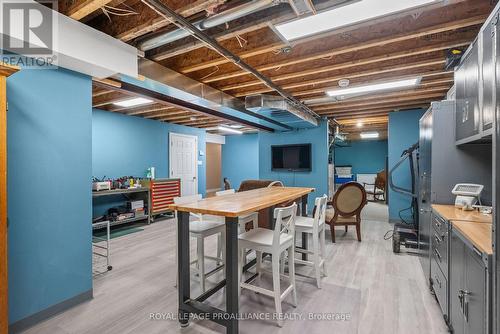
x=293 y=158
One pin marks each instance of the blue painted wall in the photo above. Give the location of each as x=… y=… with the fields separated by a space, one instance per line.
x=365 y=156
x=317 y=177
x=240 y=158
x=127 y=145
x=403 y=132
x=249 y=157
x=49 y=150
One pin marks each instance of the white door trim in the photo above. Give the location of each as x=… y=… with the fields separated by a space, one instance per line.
x=170 y=170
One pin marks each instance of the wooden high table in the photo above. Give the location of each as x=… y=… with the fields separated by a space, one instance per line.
x=229 y=206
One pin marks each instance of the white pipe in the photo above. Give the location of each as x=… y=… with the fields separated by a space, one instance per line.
x=210 y=22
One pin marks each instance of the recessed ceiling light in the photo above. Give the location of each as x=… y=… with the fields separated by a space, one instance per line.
x=229 y=130
x=193 y=118
x=359 y=124
x=357 y=12
x=342 y=92
x=369 y=135
x=137 y=101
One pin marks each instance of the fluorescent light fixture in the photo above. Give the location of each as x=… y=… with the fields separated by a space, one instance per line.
x=136 y=101
x=374 y=87
x=335 y=18
x=369 y=135
x=229 y=130
x=236 y=126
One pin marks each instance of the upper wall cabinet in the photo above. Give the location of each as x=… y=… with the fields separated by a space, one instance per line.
x=467 y=81
x=475 y=82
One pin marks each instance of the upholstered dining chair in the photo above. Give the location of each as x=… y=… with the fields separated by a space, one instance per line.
x=347 y=204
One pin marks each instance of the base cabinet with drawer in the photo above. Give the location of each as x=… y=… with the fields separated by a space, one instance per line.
x=469 y=284
x=439 y=275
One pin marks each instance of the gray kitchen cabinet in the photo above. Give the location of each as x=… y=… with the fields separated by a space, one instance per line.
x=487 y=88
x=469 y=303
x=476 y=79
x=457 y=269
x=467 y=118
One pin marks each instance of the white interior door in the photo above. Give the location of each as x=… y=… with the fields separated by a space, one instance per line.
x=183 y=162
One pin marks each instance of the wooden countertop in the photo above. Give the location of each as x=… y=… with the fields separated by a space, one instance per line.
x=244 y=202
x=479 y=234
x=450 y=212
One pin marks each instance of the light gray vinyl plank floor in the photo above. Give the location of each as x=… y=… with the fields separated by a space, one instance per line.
x=379 y=292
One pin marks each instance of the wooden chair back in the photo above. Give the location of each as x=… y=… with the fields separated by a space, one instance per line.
x=380 y=180
x=349 y=199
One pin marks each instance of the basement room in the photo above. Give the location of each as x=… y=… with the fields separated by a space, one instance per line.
x=249 y=166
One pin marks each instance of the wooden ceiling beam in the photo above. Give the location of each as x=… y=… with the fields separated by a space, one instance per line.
x=109 y=98
x=351 y=75
x=358 y=115
x=393 y=29
x=384 y=106
x=373 y=112
x=377 y=114
x=368 y=120
x=378 y=96
x=251 y=24
x=128 y=27
x=205 y=123
x=353 y=63
x=268 y=42
x=152 y=23
x=357 y=62
x=149 y=109
x=184 y=116
x=79 y=9
x=321 y=91
x=377 y=101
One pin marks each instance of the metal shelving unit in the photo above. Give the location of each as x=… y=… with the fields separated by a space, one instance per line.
x=101 y=246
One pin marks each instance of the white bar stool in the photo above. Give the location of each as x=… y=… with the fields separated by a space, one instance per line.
x=316 y=228
x=274 y=242
x=200 y=228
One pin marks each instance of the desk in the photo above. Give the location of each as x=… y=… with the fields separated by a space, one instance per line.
x=125 y=192
x=231 y=207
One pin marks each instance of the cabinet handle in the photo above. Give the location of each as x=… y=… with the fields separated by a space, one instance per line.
x=438 y=282
x=464 y=303
x=438 y=255
x=437 y=223
x=437 y=238
x=477 y=251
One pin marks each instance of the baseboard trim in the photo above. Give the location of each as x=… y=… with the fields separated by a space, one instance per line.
x=30 y=321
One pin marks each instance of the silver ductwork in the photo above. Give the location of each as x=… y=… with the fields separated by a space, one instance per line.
x=210 y=22
x=279 y=109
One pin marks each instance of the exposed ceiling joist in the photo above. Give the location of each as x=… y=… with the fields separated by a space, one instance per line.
x=351 y=75
x=355 y=63
x=399 y=26
x=81 y=8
